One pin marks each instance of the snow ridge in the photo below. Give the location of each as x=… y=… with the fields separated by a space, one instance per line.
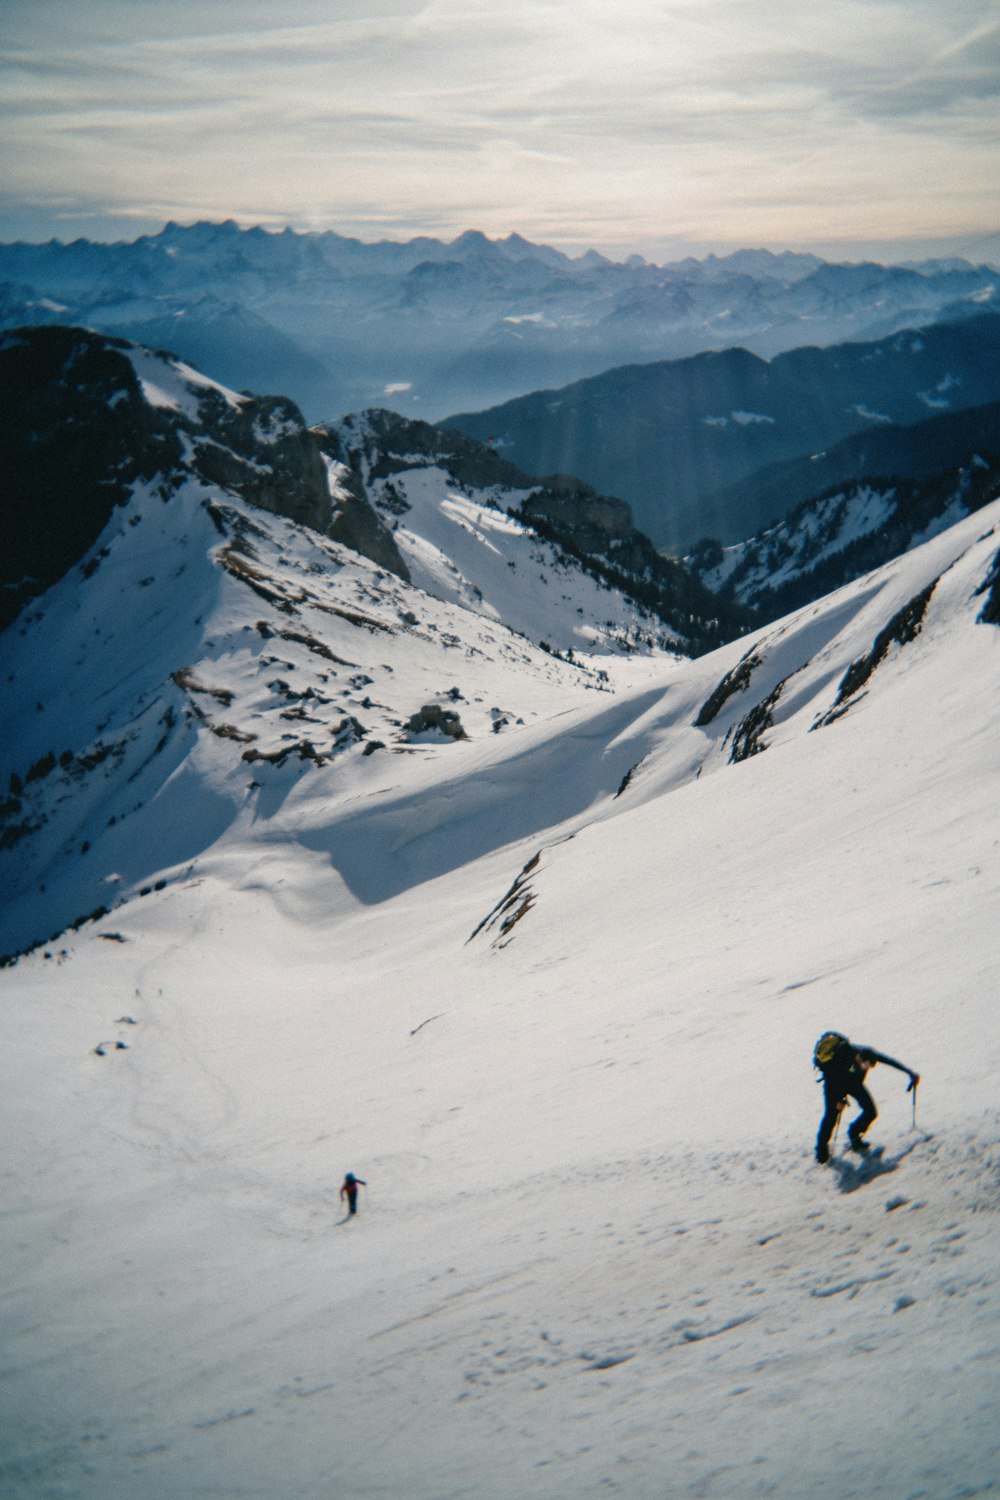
x=842 y=534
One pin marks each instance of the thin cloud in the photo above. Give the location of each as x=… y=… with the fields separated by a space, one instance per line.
x=606 y=121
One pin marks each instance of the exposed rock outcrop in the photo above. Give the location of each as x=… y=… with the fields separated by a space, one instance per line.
x=85 y=417
x=432 y=717
x=593 y=521
x=354 y=520
x=595 y=530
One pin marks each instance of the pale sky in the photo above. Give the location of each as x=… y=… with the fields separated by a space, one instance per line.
x=657 y=126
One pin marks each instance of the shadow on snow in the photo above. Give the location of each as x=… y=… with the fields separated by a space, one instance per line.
x=854 y=1172
x=422 y=836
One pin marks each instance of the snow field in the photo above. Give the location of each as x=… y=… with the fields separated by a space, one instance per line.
x=596 y=1255
x=706 y=1315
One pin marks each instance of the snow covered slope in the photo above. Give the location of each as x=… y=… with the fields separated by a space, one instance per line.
x=552 y=992
x=843 y=533
x=198 y=643
x=208 y=653
x=463 y=519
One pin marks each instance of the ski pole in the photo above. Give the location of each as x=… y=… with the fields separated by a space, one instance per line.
x=914 y=1106
x=836 y=1128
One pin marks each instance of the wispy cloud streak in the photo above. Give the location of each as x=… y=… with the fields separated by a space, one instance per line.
x=715 y=120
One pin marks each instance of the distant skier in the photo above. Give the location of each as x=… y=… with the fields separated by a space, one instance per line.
x=843 y=1066
x=349 y=1190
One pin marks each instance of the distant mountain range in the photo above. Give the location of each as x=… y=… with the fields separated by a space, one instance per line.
x=428 y=327
x=693 y=444
x=90 y=422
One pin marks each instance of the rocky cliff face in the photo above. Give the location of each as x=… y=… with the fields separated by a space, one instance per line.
x=263 y=451
x=355 y=522
x=376 y=444
x=593 y=521
x=92 y=421
x=77 y=434
x=384 y=453
x=86 y=417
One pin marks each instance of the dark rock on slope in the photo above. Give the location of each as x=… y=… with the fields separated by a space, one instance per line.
x=597 y=531
x=81 y=426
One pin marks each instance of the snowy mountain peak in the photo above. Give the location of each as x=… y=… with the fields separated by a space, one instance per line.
x=901 y=486
x=444 y=326
x=292 y=597
x=87 y=417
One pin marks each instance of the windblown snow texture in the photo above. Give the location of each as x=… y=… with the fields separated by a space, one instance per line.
x=550 y=986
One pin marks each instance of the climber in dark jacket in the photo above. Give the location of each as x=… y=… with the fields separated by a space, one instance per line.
x=349 y=1189
x=843 y=1067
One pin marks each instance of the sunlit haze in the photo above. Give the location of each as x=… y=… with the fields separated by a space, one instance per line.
x=657 y=126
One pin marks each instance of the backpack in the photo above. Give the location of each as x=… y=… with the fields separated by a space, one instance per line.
x=827 y=1048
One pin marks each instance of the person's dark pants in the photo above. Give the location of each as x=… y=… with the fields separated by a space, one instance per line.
x=352 y=1200
x=837 y=1092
